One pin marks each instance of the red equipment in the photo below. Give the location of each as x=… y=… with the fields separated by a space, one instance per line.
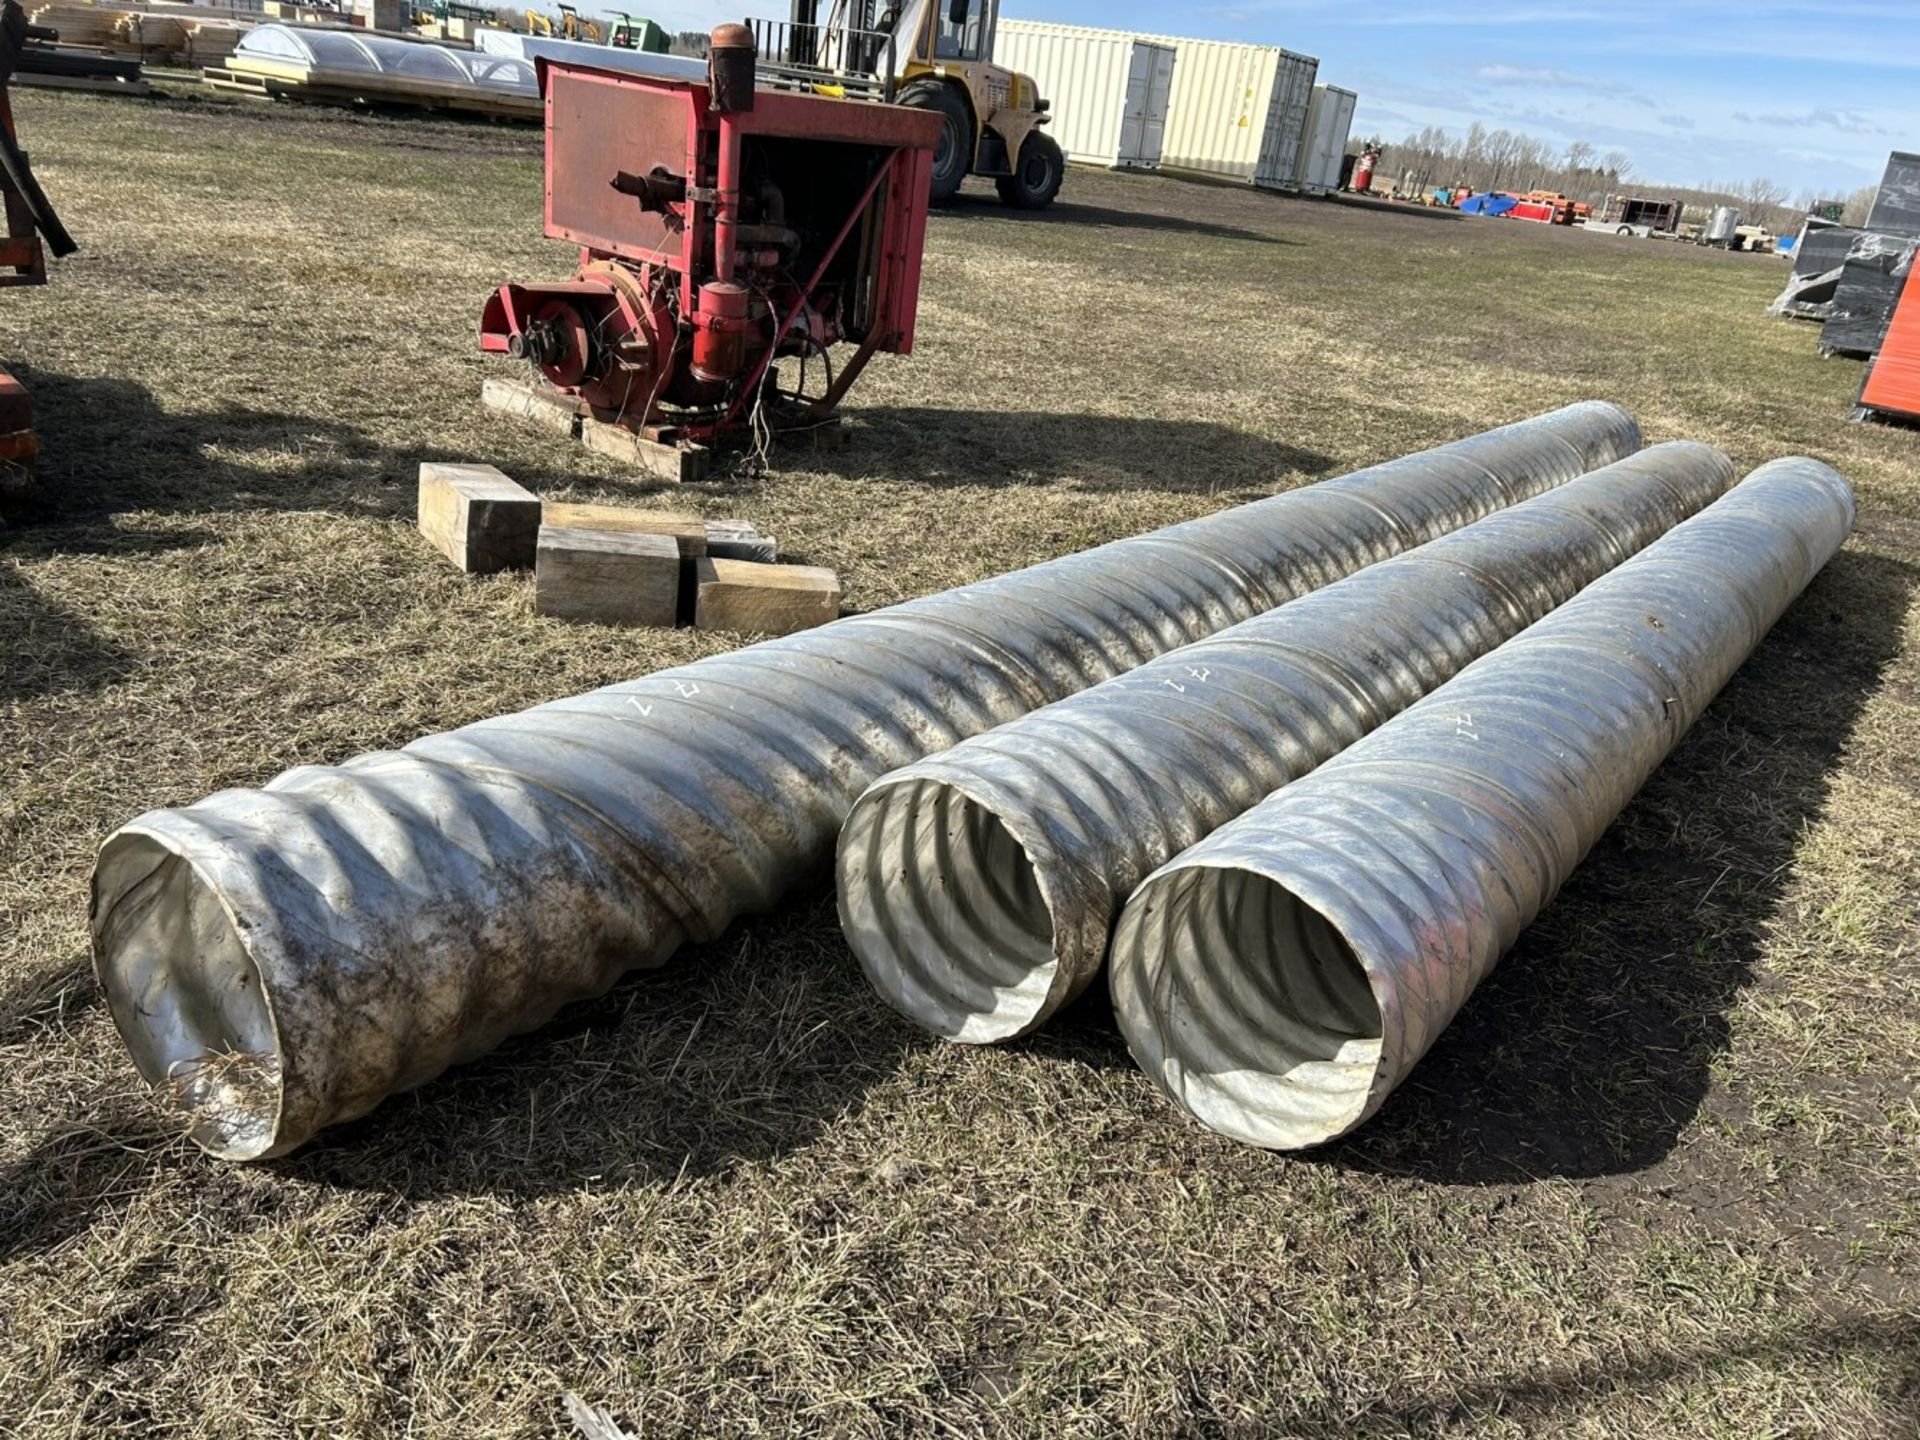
x=30 y=217
x=720 y=230
x=1363 y=170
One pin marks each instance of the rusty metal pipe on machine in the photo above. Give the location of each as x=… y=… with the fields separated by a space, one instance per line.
x=978 y=887
x=1281 y=977
x=282 y=959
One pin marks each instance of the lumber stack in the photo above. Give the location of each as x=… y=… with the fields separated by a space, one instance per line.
x=211 y=44
x=619 y=565
x=78 y=23
x=155 y=33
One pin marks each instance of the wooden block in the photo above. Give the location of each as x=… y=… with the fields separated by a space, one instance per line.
x=663 y=462
x=607 y=576
x=526 y=401
x=689 y=532
x=477 y=517
x=763 y=599
x=738 y=540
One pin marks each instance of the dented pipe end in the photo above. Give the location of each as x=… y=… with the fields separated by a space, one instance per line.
x=187 y=995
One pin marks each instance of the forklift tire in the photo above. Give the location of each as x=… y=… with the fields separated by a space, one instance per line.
x=1036 y=179
x=951 y=154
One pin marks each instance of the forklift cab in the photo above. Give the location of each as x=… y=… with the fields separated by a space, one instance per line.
x=931 y=55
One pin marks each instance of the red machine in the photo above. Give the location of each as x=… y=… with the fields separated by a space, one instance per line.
x=1363 y=170
x=29 y=217
x=720 y=230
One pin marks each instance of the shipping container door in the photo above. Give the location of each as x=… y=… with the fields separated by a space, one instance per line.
x=1336 y=127
x=1285 y=129
x=1143 y=133
x=1329 y=122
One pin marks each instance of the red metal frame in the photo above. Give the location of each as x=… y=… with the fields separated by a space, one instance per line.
x=609 y=125
x=20 y=250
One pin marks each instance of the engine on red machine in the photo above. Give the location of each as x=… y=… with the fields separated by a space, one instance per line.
x=721 y=230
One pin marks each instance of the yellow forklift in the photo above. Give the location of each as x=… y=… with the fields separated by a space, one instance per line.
x=932 y=55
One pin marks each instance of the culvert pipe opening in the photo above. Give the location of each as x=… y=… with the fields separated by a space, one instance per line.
x=1248 y=1006
x=949 y=914
x=187 y=996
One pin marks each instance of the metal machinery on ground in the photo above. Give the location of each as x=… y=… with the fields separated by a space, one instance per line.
x=721 y=230
x=933 y=55
x=572 y=26
x=30 y=219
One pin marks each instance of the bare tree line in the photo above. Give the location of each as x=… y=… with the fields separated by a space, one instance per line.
x=1516 y=162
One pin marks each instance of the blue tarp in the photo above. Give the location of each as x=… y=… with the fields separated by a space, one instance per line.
x=1488 y=204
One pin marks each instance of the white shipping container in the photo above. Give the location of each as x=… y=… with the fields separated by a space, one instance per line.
x=1329 y=123
x=1108 y=90
x=1284 y=134
x=1222 y=89
x=1219 y=111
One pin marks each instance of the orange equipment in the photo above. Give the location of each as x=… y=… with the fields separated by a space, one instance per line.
x=1892 y=386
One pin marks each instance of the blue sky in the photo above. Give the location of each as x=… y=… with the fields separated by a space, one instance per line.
x=1810 y=95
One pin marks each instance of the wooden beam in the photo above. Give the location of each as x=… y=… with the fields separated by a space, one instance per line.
x=607 y=576
x=763 y=599
x=525 y=401
x=662 y=462
x=689 y=532
x=477 y=517
x=738 y=540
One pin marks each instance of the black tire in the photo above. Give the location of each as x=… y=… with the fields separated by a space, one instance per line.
x=953 y=156
x=1036 y=179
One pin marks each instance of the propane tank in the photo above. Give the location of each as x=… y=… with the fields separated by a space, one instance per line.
x=1363 y=169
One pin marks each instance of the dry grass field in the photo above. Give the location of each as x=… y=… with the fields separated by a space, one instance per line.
x=1662 y=1177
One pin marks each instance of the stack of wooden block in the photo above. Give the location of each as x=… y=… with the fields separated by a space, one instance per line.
x=619 y=566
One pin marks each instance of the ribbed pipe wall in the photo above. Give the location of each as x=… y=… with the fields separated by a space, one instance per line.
x=978 y=887
x=282 y=959
x=1281 y=977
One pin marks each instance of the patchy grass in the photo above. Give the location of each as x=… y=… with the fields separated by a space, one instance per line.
x=1658 y=1179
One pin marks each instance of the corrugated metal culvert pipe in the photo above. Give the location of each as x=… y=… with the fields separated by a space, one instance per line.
x=279 y=960
x=979 y=886
x=1281 y=977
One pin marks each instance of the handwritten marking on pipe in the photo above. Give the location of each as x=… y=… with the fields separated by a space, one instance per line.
x=1463 y=725
x=643 y=709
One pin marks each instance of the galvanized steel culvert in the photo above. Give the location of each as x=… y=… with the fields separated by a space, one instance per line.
x=282 y=959
x=978 y=887
x=1281 y=977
